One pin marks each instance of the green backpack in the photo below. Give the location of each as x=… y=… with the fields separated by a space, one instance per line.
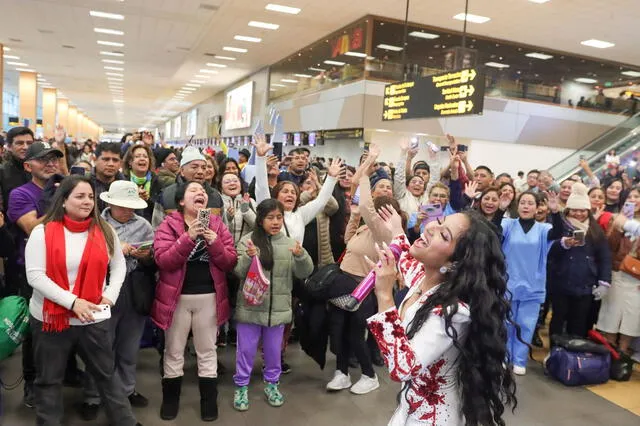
x=14 y=324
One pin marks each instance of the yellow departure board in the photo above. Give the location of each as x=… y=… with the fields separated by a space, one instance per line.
x=441 y=95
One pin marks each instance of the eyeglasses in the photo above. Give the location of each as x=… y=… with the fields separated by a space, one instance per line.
x=47 y=160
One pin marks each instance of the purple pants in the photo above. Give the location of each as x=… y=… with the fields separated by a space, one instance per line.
x=248 y=339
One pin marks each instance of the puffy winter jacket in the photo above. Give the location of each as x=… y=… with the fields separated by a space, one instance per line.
x=172 y=247
x=276 y=308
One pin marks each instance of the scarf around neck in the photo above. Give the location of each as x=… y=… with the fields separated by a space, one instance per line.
x=582 y=226
x=142 y=182
x=92 y=269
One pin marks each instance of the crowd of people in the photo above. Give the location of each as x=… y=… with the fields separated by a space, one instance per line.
x=108 y=240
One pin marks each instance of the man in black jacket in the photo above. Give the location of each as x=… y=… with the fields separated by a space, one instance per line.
x=12 y=173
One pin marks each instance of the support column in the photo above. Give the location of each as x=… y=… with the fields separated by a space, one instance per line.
x=49 y=105
x=63 y=113
x=72 y=129
x=28 y=95
x=1 y=81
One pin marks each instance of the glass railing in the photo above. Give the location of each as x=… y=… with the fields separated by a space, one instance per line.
x=619 y=138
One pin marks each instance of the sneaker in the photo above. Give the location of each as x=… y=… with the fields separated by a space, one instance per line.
x=519 y=371
x=273 y=394
x=339 y=382
x=137 y=400
x=29 y=396
x=365 y=385
x=89 y=412
x=286 y=368
x=241 y=398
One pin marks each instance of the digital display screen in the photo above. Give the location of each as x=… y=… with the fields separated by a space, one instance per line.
x=238 y=107
x=448 y=94
x=297 y=140
x=312 y=139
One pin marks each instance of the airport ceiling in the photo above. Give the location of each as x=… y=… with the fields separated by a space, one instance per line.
x=163 y=46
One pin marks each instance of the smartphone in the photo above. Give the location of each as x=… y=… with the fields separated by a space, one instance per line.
x=433 y=147
x=629 y=209
x=203 y=216
x=143 y=245
x=462 y=148
x=356 y=198
x=414 y=143
x=103 y=314
x=579 y=236
x=433 y=212
x=78 y=170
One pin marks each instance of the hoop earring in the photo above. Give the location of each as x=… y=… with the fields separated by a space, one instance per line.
x=444 y=270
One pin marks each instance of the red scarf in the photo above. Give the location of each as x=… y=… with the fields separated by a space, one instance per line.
x=91 y=271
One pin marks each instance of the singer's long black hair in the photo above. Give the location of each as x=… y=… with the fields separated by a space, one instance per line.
x=478 y=279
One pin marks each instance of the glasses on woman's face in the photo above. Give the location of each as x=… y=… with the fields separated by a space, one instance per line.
x=440 y=196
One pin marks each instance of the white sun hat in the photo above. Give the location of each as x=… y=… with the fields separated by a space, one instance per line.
x=123 y=193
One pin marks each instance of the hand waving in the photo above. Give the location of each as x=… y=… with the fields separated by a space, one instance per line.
x=335 y=167
x=297 y=249
x=470 y=189
x=392 y=220
x=262 y=147
x=554 y=204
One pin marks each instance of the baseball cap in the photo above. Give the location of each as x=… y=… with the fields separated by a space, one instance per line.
x=39 y=150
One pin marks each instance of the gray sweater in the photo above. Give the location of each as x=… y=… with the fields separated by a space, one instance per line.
x=136 y=230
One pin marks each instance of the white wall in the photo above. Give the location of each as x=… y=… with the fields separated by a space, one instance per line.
x=572 y=90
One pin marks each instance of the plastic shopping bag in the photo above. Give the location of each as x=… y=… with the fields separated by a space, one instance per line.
x=14 y=324
x=256 y=284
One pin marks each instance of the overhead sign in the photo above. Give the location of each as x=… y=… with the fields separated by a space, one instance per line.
x=343 y=134
x=441 y=95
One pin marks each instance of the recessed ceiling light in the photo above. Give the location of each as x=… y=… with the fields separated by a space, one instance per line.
x=114 y=79
x=289 y=80
x=11 y=57
x=118 y=101
x=283 y=9
x=420 y=34
x=597 y=44
x=235 y=49
x=197 y=81
x=18 y=64
x=115 y=74
x=108 y=31
x=249 y=39
x=213 y=65
x=586 y=80
x=303 y=76
x=110 y=43
x=6 y=49
x=111 y=53
x=25 y=70
x=389 y=47
x=537 y=55
x=330 y=62
x=278 y=85
x=112 y=61
x=192 y=85
x=497 y=65
x=356 y=54
x=631 y=73
x=476 y=19
x=316 y=69
x=97 y=14
x=539 y=1
x=114 y=68
x=226 y=58
x=265 y=25
x=209 y=71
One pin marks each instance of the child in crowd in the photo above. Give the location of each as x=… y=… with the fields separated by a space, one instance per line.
x=282 y=258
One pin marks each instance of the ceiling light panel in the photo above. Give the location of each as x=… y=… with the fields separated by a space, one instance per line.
x=586 y=80
x=497 y=65
x=599 y=44
x=110 y=43
x=316 y=69
x=115 y=74
x=108 y=31
x=106 y=53
x=539 y=1
x=11 y=57
x=235 y=49
x=476 y=19
x=420 y=34
x=265 y=25
x=330 y=62
x=214 y=65
x=537 y=55
x=303 y=75
x=288 y=80
x=17 y=64
x=209 y=71
x=631 y=73
x=356 y=54
x=112 y=61
x=247 y=38
x=106 y=15
x=282 y=9
x=25 y=69
x=225 y=58
x=390 y=47
x=114 y=68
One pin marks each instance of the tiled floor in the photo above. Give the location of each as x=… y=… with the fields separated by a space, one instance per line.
x=541 y=401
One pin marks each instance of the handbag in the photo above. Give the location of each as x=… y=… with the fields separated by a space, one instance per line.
x=255 y=284
x=578 y=368
x=142 y=285
x=318 y=283
x=14 y=324
x=631 y=266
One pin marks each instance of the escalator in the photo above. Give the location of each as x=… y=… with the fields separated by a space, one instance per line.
x=624 y=139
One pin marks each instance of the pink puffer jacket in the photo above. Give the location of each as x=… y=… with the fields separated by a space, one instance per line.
x=172 y=247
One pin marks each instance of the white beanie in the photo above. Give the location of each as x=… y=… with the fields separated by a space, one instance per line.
x=579 y=200
x=190 y=153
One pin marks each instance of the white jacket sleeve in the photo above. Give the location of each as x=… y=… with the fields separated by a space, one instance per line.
x=400 y=179
x=262 y=184
x=310 y=210
x=35 y=257
x=117 y=271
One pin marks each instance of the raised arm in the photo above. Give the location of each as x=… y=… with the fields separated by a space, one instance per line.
x=400 y=175
x=311 y=209
x=262 y=182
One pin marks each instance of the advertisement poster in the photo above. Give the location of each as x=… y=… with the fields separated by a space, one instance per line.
x=238 y=107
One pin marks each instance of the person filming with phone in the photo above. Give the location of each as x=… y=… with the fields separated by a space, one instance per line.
x=67 y=259
x=193 y=250
x=579 y=267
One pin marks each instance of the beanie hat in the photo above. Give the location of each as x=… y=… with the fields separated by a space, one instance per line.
x=191 y=153
x=162 y=154
x=377 y=176
x=421 y=165
x=579 y=200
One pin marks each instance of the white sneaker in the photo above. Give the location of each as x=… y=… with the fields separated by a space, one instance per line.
x=519 y=371
x=339 y=382
x=365 y=385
